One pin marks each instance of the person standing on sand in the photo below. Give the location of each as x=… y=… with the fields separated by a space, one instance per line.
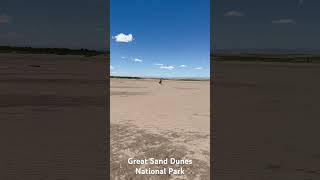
x=160 y=82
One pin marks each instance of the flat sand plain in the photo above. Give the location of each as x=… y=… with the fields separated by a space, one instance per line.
x=149 y=120
x=266 y=121
x=52 y=117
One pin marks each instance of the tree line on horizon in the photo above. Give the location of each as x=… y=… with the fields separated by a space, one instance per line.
x=57 y=51
x=251 y=57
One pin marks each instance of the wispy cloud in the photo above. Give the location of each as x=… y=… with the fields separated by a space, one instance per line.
x=167 y=67
x=284 y=21
x=198 y=68
x=137 y=60
x=112 y=70
x=158 y=64
x=233 y=14
x=126 y=38
x=4 y=19
x=123 y=57
x=183 y=66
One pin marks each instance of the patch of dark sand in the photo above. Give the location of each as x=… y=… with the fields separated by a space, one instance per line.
x=34 y=65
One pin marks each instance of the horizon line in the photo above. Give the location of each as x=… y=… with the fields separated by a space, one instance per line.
x=157 y=77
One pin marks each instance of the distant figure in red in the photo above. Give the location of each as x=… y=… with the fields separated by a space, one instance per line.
x=160 y=82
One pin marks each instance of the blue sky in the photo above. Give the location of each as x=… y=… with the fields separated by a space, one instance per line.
x=160 y=38
x=267 y=24
x=54 y=23
x=158 y=25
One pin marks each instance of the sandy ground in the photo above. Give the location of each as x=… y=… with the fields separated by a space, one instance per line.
x=266 y=121
x=52 y=117
x=150 y=120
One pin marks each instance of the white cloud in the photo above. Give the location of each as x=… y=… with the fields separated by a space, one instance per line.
x=283 y=21
x=167 y=67
x=137 y=60
x=123 y=57
x=158 y=64
x=183 y=66
x=112 y=72
x=234 y=14
x=198 y=68
x=4 y=19
x=123 y=38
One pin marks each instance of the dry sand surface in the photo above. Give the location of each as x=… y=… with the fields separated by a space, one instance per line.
x=149 y=120
x=266 y=121
x=52 y=117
